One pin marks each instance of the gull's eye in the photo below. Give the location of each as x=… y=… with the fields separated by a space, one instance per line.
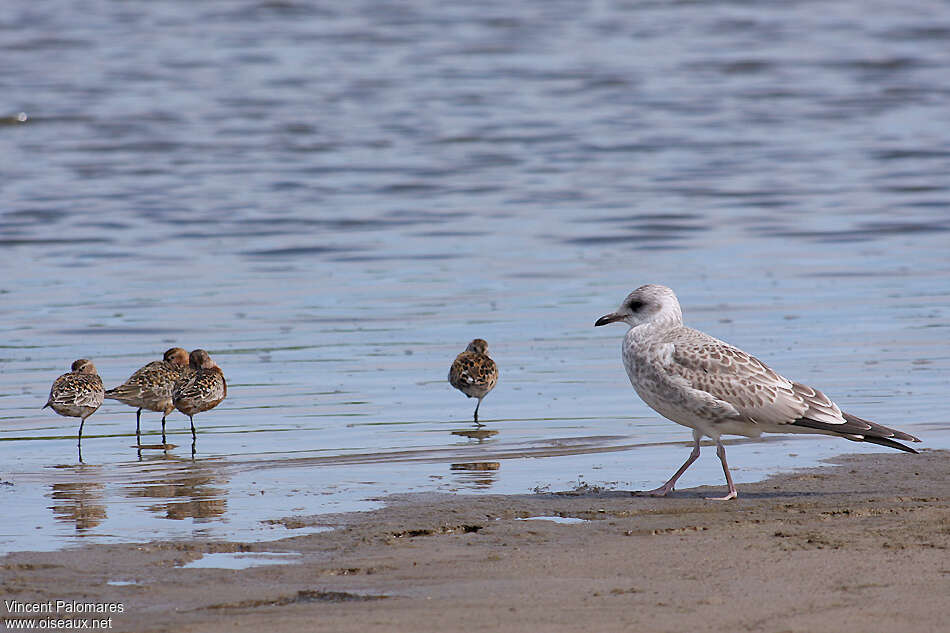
x=634 y=305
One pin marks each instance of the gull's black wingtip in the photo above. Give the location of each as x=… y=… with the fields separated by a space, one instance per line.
x=883 y=441
x=860 y=430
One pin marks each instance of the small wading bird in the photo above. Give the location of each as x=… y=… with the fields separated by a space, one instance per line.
x=201 y=390
x=474 y=373
x=77 y=394
x=151 y=387
x=714 y=388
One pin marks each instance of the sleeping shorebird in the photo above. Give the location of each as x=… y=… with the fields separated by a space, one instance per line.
x=201 y=390
x=714 y=388
x=474 y=373
x=77 y=394
x=151 y=386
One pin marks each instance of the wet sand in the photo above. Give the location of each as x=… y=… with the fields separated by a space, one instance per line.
x=860 y=545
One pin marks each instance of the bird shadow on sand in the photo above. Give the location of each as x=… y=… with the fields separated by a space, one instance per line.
x=695 y=494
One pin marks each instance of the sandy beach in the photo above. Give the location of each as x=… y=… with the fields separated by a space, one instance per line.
x=859 y=545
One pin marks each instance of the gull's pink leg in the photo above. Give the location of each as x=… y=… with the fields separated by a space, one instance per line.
x=665 y=489
x=721 y=452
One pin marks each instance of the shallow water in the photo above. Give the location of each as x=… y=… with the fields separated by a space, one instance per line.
x=333 y=201
x=241 y=560
x=565 y=520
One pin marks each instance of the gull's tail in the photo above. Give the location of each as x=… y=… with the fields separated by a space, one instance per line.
x=859 y=430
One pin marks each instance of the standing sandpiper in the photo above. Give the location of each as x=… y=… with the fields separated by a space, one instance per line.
x=201 y=390
x=474 y=373
x=151 y=387
x=77 y=394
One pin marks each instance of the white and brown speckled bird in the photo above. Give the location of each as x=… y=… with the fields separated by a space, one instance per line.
x=202 y=390
x=151 y=386
x=77 y=394
x=473 y=372
x=714 y=388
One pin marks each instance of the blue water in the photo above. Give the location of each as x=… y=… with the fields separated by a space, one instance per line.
x=333 y=200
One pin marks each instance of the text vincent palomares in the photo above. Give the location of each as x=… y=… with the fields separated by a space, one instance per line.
x=63 y=606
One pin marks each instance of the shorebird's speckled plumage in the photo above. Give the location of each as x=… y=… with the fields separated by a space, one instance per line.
x=473 y=372
x=151 y=386
x=77 y=394
x=202 y=390
x=714 y=388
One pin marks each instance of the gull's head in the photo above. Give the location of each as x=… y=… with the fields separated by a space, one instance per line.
x=646 y=304
x=479 y=346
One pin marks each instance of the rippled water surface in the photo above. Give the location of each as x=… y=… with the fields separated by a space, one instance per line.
x=334 y=198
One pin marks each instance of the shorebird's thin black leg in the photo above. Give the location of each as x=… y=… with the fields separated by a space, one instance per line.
x=79 y=441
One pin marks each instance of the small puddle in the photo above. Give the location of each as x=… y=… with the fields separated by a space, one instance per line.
x=241 y=560
x=555 y=519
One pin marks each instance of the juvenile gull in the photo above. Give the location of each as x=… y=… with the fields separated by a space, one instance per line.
x=77 y=394
x=714 y=388
x=473 y=372
x=151 y=386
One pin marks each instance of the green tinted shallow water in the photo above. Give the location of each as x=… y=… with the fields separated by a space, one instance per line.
x=381 y=187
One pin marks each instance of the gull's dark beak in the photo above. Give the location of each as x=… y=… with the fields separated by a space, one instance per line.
x=613 y=317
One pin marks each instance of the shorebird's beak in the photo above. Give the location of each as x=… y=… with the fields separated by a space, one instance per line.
x=613 y=317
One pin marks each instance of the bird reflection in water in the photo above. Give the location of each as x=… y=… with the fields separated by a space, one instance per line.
x=477 y=475
x=185 y=490
x=160 y=447
x=480 y=435
x=79 y=502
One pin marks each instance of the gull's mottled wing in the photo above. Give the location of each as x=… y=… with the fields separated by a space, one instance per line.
x=759 y=395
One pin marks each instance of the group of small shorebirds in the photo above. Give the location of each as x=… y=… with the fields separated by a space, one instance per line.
x=685 y=375
x=191 y=383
